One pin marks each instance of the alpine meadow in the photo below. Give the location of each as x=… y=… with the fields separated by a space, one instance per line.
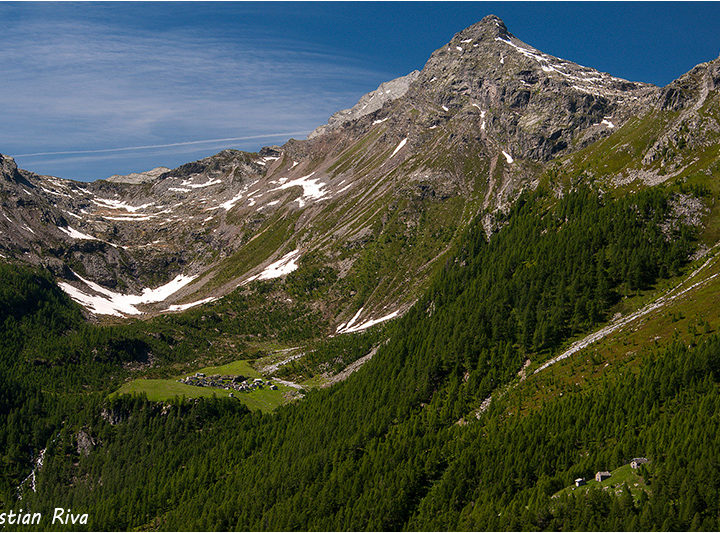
x=483 y=298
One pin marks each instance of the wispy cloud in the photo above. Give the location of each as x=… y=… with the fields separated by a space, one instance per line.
x=71 y=89
x=150 y=146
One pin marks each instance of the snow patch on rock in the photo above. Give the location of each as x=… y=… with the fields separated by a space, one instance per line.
x=188 y=183
x=131 y=218
x=398 y=148
x=109 y=203
x=281 y=267
x=313 y=189
x=75 y=234
x=350 y=328
x=183 y=307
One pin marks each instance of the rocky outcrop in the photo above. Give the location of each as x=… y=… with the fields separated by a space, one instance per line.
x=85 y=443
x=10 y=175
x=8 y=167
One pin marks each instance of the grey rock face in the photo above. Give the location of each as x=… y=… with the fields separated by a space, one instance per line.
x=692 y=86
x=85 y=443
x=369 y=103
x=690 y=128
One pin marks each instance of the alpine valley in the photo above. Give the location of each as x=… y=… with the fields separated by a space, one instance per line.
x=447 y=309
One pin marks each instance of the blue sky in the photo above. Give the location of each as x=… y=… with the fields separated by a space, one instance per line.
x=88 y=78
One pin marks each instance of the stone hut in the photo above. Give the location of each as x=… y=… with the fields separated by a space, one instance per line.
x=637 y=461
x=601 y=476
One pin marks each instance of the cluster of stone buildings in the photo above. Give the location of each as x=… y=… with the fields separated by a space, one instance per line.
x=236 y=383
x=603 y=475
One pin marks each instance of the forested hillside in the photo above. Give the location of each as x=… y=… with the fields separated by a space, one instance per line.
x=403 y=443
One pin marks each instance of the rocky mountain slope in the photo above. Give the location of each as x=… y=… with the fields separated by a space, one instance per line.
x=369 y=203
x=369 y=103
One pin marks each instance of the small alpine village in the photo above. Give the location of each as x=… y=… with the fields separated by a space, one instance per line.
x=236 y=383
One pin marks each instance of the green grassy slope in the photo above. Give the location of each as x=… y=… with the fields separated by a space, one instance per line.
x=162 y=390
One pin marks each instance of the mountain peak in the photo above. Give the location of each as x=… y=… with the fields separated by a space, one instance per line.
x=492 y=20
x=490 y=27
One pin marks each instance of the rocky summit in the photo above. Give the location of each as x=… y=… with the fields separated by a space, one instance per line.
x=376 y=197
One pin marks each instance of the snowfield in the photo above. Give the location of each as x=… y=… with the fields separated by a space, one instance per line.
x=227 y=206
x=107 y=302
